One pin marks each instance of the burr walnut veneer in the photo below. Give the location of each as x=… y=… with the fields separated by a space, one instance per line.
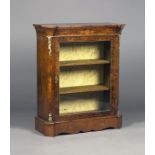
x=77 y=77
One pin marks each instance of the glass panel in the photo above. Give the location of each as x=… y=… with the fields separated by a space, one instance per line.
x=84 y=87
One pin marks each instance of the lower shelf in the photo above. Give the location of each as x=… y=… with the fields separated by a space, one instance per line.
x=77 y=125
x=83 y=62
x=79 y=89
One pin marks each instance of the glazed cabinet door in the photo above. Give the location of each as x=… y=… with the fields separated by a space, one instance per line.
x=88 y=76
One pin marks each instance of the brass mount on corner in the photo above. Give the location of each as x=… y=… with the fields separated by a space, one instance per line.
x=50 y=117
x=49 y=45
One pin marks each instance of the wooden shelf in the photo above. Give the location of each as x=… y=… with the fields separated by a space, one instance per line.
x=99 y=112
x=80 y=89
x=83 y=62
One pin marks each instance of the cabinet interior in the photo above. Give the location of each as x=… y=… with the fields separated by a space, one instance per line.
x=84 y=77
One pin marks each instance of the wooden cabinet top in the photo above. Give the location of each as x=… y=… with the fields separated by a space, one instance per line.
x=79 y=29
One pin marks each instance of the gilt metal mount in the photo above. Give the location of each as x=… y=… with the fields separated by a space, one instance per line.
x=49 y=45
x=50 y=118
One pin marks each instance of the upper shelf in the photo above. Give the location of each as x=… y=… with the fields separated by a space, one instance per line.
x=83 y=62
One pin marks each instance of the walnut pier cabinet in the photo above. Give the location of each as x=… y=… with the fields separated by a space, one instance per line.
x=77 y=77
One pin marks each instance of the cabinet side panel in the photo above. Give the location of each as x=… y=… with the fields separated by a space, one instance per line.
x=42 y=78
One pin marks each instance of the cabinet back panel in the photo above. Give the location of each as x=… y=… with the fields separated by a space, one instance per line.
x=81 y=76
x=84 y=50
x=84 y=102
